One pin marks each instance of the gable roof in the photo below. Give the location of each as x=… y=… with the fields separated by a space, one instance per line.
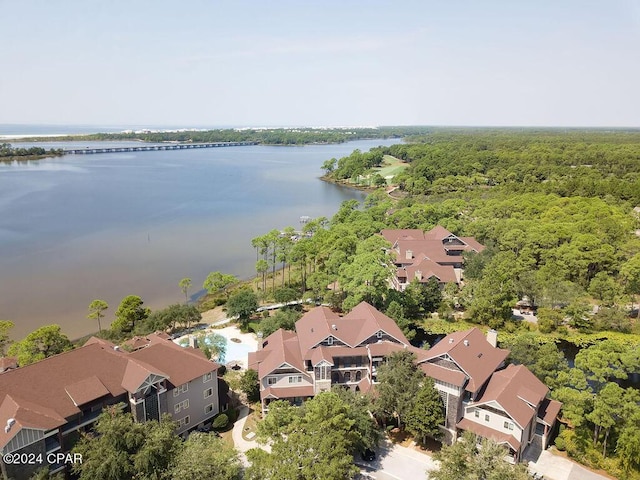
x=517 y=391
x=281 y=347
x=392 y=236
x=428 y=268
x=179 y=364
x=475 y=356
x=45 y=394
x=361 y=323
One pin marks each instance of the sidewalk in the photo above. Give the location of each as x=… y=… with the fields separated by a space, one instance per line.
x=239 y=442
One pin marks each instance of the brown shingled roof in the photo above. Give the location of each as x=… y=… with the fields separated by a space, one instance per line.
x=180 y=364
x=454 y=377
x=490 y=433
x=84 y=391
x=26 y=415
x=428 y=268
x=470 y=350
x=515 y=389
x=279 y=348
x=549 y=410
x=391 y=235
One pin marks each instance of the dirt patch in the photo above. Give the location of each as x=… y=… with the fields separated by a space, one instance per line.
x=406 y=440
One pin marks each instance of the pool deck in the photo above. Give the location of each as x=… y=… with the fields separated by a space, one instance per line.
x=247 y=339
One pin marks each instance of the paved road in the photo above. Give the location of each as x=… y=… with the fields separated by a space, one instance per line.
x=394 y=462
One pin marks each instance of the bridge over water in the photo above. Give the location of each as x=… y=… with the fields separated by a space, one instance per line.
x=152 y=148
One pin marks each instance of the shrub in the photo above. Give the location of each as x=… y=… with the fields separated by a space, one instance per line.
x=220 y=422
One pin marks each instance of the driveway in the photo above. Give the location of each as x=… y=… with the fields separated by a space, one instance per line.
x=555 y=467
x=394 y=462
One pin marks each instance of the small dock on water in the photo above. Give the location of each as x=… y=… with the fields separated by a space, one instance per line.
x=154 y=148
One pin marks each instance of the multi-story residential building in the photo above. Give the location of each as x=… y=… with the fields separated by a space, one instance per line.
x=326 y=350
x=422 y=255
x=508 y=405
x=44 y=406
x=479 y=394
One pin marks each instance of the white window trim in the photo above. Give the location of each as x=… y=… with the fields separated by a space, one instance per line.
x=295 y=379
x=208 y=392
x=207 y=377
x=272 y=380
x=330 y=340
x=209 y=407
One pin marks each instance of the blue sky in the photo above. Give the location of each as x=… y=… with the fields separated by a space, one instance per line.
x=348 y=62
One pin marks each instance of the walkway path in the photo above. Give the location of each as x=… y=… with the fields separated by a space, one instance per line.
x=240 y=443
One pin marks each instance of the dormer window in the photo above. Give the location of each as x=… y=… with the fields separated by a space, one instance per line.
x=330 y=341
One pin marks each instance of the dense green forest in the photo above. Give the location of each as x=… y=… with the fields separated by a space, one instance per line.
x=9 y=152
x=556 y=210
x=267 y=136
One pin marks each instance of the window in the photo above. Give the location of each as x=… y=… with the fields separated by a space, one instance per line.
x=330 y=341
x=181 y=406
x=506 y=424
x=208 y=392
x=379 y=334
x=184 y=421
x=271 y=380
x=208 y=408
x=296 y=379
x=207 y=377
x=486 y=417
x=477 y=413
x=181 y=389
x=510 y=426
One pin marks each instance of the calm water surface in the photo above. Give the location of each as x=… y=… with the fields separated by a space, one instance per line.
x=105 y=226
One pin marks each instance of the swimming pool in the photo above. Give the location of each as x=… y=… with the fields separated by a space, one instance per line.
x=229 y=350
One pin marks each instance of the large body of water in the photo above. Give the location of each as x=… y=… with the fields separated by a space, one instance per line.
x=76 y=228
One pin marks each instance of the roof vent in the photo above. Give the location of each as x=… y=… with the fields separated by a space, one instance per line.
x=334 y=326
x=451 y=340
x=466 y=343
x=10 y=423
x=116 y=348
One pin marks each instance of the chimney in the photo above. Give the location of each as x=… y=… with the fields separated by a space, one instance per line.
x=419 y=275
x=408 y=255
x=193 y=341
x=260 y=335
x=492 y=338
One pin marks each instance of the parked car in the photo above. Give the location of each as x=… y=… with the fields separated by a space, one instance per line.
x=368 y=455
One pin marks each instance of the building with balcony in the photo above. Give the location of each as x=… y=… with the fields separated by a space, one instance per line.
x=45 y=406
x=325 y=350
x=479 y=392
x=422 y=255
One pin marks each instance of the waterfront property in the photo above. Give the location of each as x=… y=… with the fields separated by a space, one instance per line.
x=47 y=404
x=508 y=405
x=422 y=255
